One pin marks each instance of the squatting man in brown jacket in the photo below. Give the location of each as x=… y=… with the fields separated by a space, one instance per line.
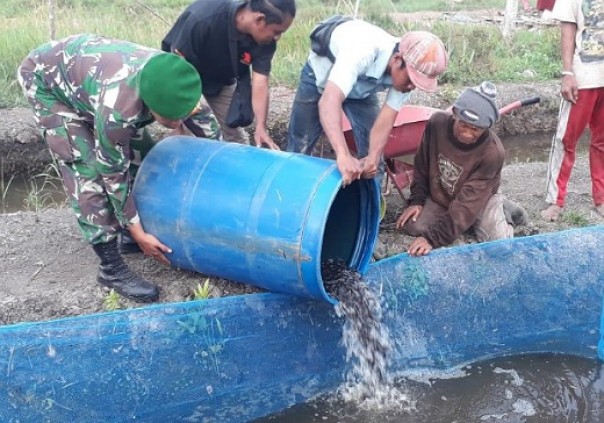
x=457 y=177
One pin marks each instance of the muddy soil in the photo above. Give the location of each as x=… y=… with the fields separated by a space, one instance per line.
x=48 y=272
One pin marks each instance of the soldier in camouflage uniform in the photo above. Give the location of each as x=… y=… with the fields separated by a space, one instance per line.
x=92 y=96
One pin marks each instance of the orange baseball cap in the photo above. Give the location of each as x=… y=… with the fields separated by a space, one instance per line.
x=425 y=58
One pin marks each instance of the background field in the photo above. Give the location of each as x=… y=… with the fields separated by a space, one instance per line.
x=477 y=49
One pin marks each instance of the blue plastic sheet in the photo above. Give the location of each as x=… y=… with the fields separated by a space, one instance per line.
x=238 y=358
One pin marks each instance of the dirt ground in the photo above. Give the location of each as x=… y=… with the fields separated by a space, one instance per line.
x=48 y=272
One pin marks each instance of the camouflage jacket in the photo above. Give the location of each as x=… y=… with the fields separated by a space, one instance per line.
x=95 y=78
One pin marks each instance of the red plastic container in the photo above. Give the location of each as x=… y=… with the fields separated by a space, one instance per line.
x=406 y=134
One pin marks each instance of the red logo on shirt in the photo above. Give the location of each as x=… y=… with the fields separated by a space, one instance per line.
x=246 y=58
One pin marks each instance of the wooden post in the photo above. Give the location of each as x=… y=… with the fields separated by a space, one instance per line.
x=509 y=19
x=51 y=18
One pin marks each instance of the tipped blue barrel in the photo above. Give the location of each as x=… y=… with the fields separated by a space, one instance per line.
x=256 y=216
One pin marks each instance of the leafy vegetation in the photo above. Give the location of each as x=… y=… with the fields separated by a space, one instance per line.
x=478 y=51
x=43 y=189
x=575 y=219
x=112 y=301
x=4 y=187
x=202 y=292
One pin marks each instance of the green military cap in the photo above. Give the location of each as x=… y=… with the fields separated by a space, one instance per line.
x=169 y=85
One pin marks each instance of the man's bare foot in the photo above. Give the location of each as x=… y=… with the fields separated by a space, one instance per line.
x=552 y=213
x=600 y=209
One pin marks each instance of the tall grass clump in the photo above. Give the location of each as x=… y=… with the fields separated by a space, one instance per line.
x=43 y=190
x=531 y=51
x=26 y=26
x=445 y=5
x=478 y=51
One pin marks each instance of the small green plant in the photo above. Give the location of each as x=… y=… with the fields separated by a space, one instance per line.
x=112 y=301
x=4 y=187
x=575 y=219
x=41 y=195
x=36 y=199
x=202 y=292
x=209 y=332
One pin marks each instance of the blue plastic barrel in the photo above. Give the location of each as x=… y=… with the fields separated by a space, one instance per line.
x=256 y=216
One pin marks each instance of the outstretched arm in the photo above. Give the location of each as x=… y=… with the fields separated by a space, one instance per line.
x=377 y=139
x=330 y=112
x=260 y=102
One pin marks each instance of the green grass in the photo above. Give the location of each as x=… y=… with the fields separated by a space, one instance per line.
x=42 y=188
x=112 y=301
x=4 y=189
x=575 y=219
x=202 y=292
x=477 y=52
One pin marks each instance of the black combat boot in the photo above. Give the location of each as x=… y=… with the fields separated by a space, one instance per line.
x=126 y=244
x=114 y=273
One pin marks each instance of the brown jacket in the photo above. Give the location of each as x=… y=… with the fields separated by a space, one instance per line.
x=459 y=177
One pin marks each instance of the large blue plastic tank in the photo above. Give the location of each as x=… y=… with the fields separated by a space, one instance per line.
x=255 y=216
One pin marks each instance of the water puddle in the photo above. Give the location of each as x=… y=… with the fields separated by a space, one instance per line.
x=33 y=194
x=538 y=388
x=535 y=147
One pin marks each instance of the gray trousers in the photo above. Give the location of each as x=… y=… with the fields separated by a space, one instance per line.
x=490 y=225
x=220 y=106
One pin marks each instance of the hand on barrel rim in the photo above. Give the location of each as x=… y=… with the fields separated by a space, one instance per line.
x=370 y=167
x=350 y=168
x=262 y=138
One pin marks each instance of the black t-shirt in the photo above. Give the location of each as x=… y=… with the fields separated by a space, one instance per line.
x=204 y=34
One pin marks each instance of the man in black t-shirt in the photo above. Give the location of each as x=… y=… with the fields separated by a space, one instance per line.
x=213 y=35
